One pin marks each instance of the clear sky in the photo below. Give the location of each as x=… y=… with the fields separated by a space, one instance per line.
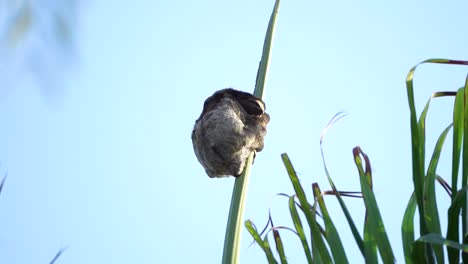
x=107 y=168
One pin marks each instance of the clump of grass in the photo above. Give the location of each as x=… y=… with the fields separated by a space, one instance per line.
x=321 y=240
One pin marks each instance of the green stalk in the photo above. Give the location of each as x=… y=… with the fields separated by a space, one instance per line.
x=239 y=194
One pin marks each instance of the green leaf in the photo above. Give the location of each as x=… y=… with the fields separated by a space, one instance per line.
x=299 y=228
x=279 y=246
x=264 y=62
x=417 y=148
x=430 y=202
x=264 y=244
x=407 y=229
x=458 y=202
x=331 y=234
x=231 y=251
x=375 y=219
x=318 y=245
x=349 y=219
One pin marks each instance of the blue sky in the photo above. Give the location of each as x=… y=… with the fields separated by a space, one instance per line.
x=107 y=169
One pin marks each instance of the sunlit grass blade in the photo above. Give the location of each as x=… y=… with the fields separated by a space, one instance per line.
x=375 y=222
x=331 y=234
x=319 y=248
x=299 y=228
x=231 y=251
x=436 y=239
x=407 y=229
x=264 y=244
x=417 y=149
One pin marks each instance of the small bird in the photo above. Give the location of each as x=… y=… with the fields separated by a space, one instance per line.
x=231 y=126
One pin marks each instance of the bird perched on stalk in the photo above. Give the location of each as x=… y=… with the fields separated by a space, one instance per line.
x=231 y=126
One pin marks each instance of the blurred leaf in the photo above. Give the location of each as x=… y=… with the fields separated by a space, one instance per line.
x=2 y=183
x=59 y=253
x=19 y=25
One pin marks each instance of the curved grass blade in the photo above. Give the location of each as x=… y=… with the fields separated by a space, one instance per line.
x=416 y=138
x=430 y=202
x=231 y=251
x=331 y=234
x=417 y=149
x=352 y=225
x=407 y=230
x=375 y=221
x=264 y=244
x=319 y=248
x=299 y=228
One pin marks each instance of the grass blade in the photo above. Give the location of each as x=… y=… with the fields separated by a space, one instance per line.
x=264 y=244
x=264 y=62
x=318 y=245
x=430 y=203
x=454 y=217
x=407 y=229
x=352 y=225
x=465 y=157
x=457 y=136
x=331 y=234
x=375 y=222
x=279 y=246
x=231 y=251
x=299 y=228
